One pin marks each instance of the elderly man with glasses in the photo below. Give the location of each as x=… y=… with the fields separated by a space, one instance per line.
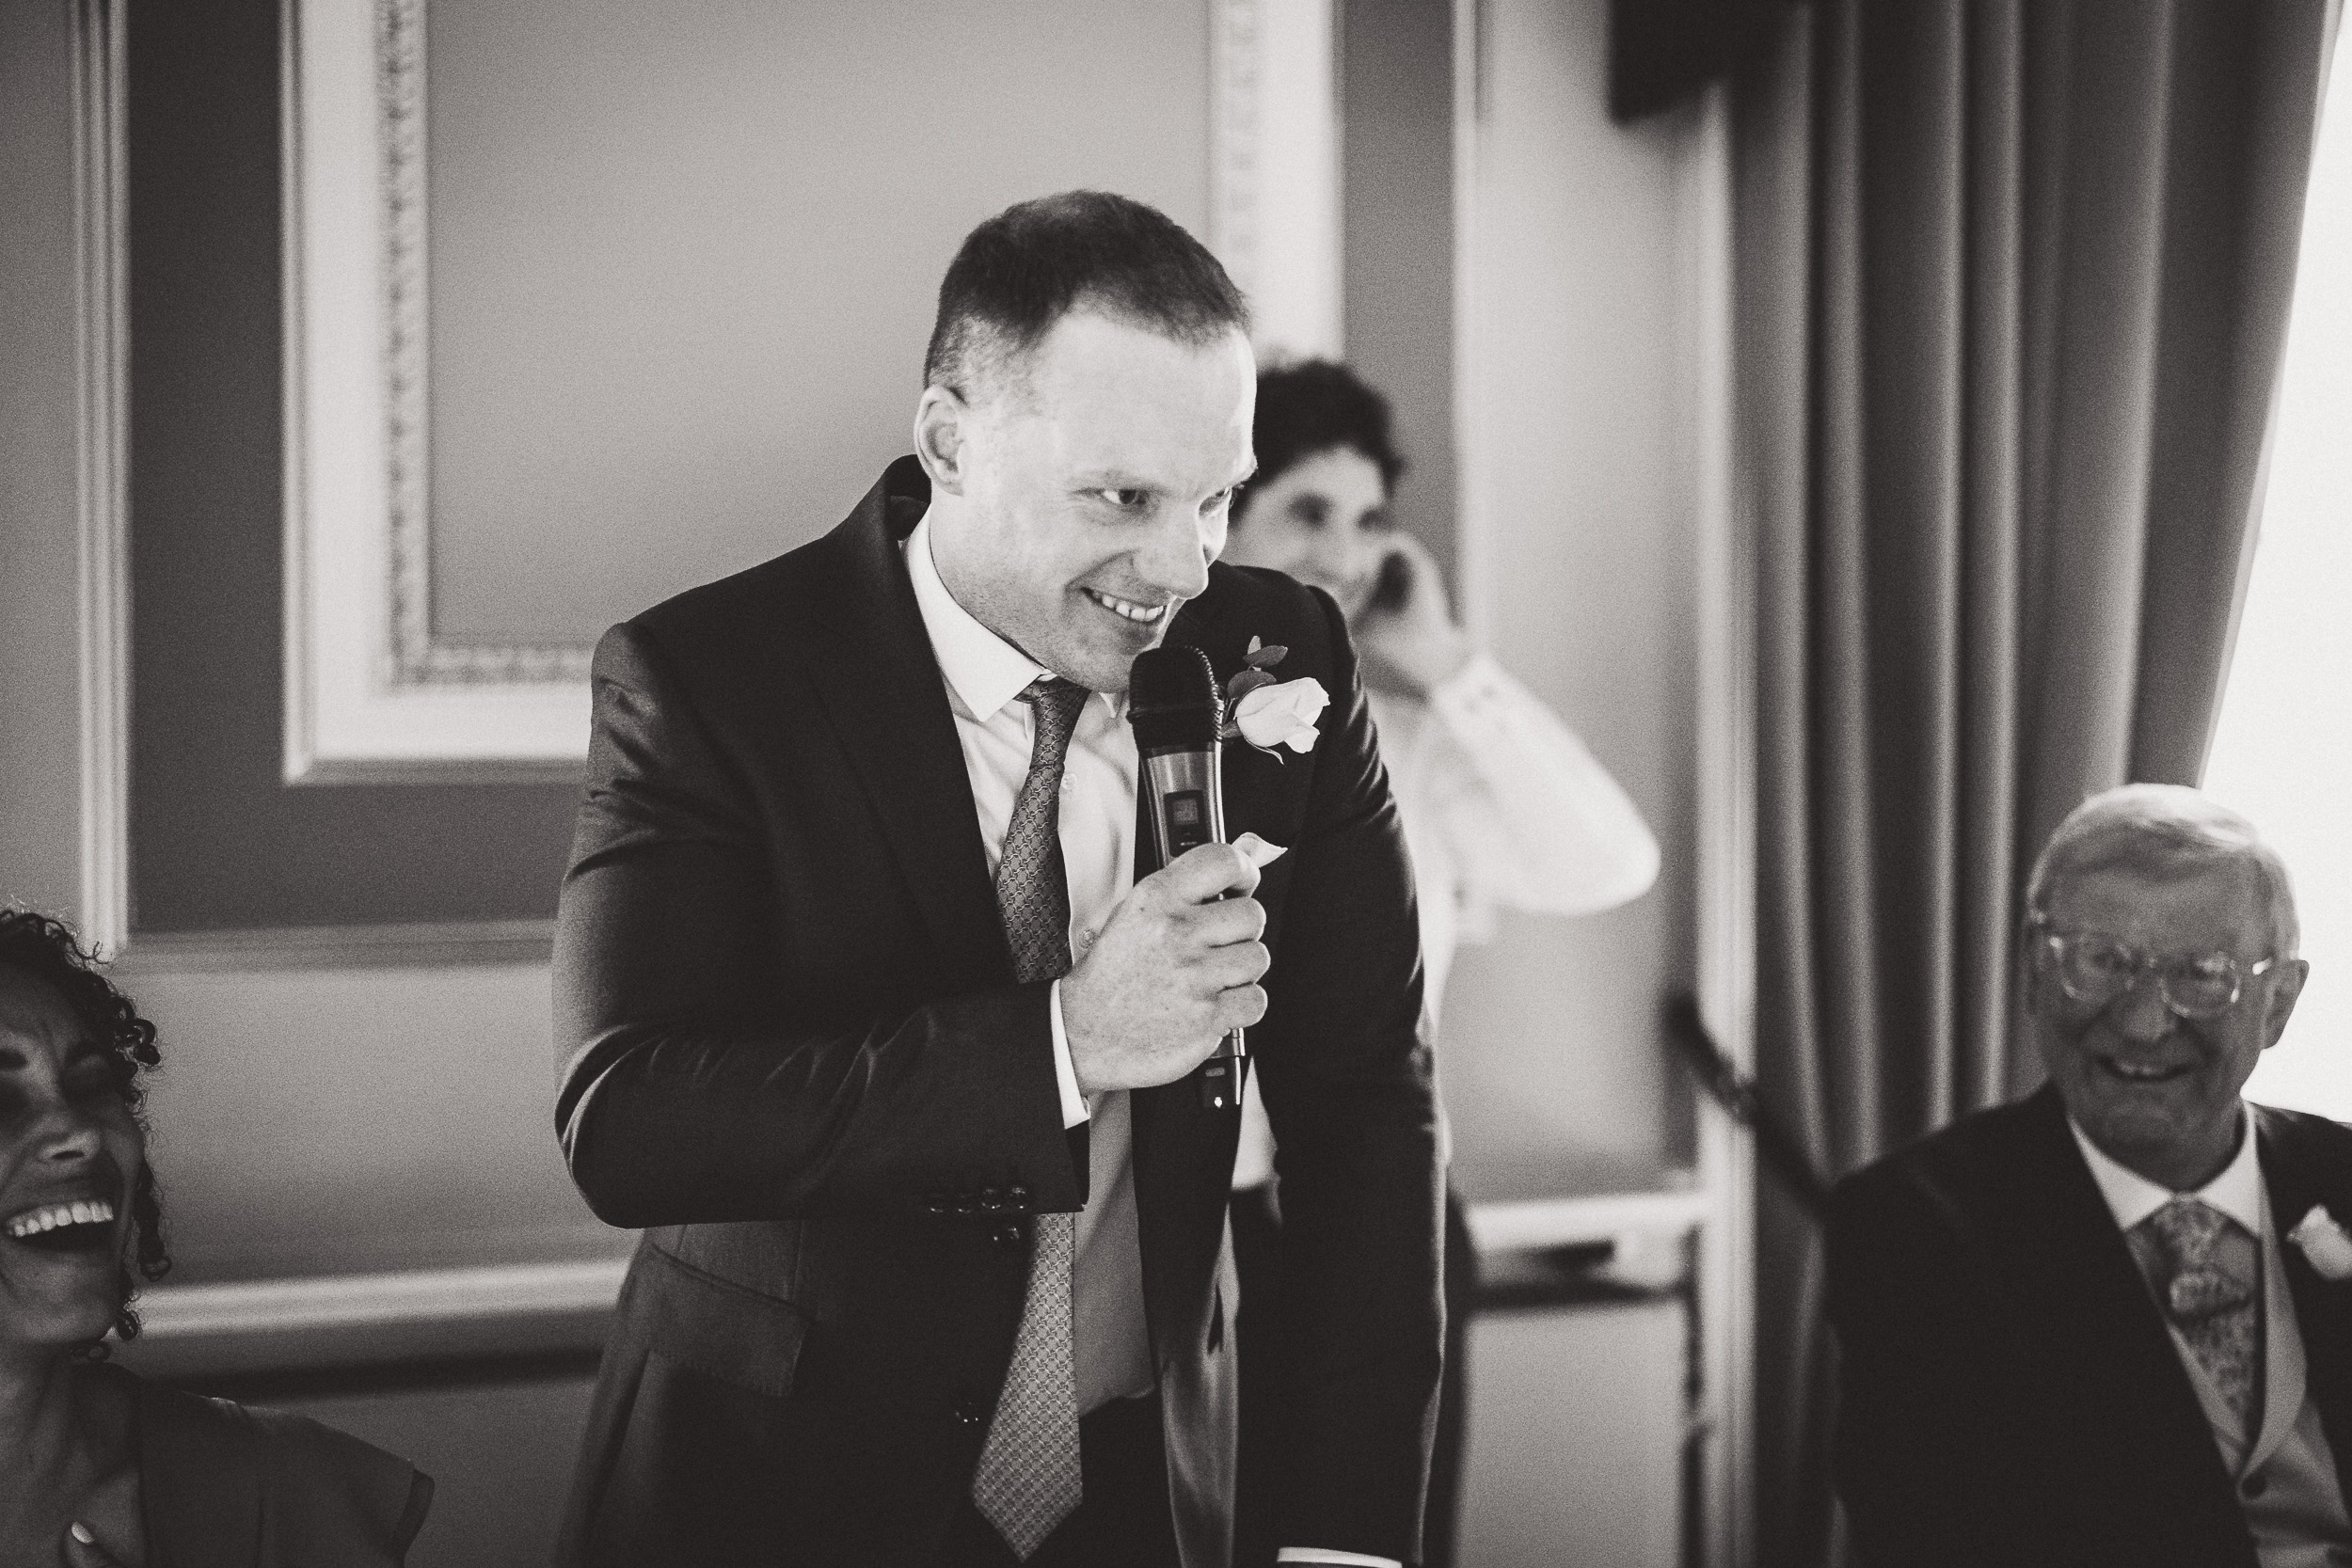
x=2112 y=1323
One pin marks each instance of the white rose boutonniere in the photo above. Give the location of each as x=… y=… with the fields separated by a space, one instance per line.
x=1267 y=712
x=2324 y=1244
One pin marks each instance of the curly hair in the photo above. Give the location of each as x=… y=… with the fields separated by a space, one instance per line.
x=49 y=951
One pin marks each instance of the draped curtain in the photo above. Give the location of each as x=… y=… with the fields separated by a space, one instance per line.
x=2012 y=280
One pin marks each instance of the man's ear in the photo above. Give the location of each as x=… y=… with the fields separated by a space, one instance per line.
x=2285 y=987
x=941 y=434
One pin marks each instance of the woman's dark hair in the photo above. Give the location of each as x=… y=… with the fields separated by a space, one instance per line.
x=47 y=950
x=1314 y=407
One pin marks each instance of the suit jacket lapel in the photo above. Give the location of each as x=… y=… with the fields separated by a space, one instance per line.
x=880 y=685
x=2300 y=1175
x=2081 y=1282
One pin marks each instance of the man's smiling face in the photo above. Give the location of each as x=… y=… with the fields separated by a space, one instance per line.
x=2157 y=1091
x=1085 y=491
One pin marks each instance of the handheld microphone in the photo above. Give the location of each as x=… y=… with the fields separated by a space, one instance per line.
x=1173 y=705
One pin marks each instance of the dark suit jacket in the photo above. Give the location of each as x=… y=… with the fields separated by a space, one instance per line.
x=2009 y=1393
x=792 y=1049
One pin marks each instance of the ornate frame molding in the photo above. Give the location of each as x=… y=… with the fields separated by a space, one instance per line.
x=372 y=694
x=418 y=657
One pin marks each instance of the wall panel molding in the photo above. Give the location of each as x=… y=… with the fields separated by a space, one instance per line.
x=1726 y=853
x=1274 y=218
x=417 y=945
x=373 y=694
x=196 y=1332
x=103 y=442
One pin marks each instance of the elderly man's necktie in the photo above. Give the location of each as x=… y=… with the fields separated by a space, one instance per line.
x=1028 y=1479
x=2213 y=1304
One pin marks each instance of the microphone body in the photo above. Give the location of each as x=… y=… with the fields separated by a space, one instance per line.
x=1174 y=707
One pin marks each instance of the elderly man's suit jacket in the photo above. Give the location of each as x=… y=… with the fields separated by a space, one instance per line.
x=2009 y=1393
x=793 y=1051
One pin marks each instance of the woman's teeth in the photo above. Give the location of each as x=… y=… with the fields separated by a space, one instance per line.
x=33 y=1222
x=1140 y=615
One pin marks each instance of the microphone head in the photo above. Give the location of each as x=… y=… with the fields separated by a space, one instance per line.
x=1172 y=701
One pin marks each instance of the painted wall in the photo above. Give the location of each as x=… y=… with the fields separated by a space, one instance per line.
x=345 y=1121
x=39 y=666
x=684 y=263
x=1396 y=100
x=1578 y=538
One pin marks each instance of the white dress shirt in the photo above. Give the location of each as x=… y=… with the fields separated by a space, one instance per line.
x=1504 y=807
x=985 y=676
x=2295 y=1512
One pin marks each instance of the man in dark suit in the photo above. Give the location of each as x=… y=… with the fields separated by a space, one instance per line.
x=869 y=1019
x=2112 y=1323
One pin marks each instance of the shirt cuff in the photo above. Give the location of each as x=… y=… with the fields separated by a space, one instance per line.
x=1074 y=1104
x=1353 y=1560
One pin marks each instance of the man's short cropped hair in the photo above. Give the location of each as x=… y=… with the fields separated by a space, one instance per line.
x=2165 y=830
x=1315 y=407
x=1025 y=268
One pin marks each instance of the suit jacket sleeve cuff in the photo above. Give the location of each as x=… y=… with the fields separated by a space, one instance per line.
x=1074 y=1104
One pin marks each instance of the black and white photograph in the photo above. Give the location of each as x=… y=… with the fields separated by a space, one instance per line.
x=1175 y=784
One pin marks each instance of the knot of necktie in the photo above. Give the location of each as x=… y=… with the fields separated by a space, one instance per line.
x=2197 y=1287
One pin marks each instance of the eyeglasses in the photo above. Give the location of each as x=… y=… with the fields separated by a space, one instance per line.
x=2094 y=969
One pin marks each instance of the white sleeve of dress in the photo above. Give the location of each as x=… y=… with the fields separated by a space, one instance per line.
x=1534 y=822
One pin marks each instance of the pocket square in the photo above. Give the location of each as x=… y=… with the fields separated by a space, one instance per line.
x=2325 y=1244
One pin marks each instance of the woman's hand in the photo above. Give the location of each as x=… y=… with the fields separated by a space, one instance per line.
x=1406 y=630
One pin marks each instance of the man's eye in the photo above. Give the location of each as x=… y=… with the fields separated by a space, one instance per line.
x=2101 y=958
x=1125 y=500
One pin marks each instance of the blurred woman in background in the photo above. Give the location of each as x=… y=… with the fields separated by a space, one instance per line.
x=99 y=1469
x=1503 y=806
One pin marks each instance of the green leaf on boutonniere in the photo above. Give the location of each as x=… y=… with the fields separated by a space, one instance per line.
x=1267 y=657
x=1245 y=681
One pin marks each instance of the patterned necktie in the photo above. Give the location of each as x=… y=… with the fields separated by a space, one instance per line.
x=2214 y=1308
x=1028 y=1479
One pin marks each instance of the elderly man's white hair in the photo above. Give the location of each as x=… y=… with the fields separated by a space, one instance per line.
x=2165 y=830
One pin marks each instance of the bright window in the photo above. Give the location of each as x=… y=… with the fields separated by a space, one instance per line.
x=2283 y=751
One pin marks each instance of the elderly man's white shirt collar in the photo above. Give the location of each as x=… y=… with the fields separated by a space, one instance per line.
x=2237 y=1192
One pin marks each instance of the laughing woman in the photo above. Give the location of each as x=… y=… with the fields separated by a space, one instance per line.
x=97 y=1468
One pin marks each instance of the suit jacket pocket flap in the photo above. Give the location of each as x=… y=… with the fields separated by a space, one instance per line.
x=703 y=1324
